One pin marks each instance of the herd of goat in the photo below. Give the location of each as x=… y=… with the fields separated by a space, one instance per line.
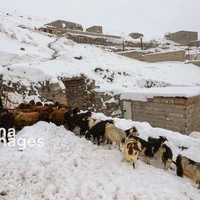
x=27 y=114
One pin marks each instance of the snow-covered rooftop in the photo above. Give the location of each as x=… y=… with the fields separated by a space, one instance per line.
x=144 y=94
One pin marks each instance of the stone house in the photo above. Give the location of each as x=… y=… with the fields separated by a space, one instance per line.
x=95 y=29
x=195 y=43
x=183 y=37
x=62 y=25
x=181 y=114
x=49 y=29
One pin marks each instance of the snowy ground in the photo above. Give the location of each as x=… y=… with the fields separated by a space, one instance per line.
x=70 y=167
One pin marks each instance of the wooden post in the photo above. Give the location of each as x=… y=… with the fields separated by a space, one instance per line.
x=141 y=43
x=123 y=47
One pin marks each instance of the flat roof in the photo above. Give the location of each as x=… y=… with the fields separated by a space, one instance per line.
x=144 y=94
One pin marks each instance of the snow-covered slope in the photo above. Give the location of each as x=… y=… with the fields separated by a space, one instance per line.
x=69 y=167
x=119 y=72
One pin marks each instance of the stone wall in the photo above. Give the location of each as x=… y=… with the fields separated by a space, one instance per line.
x=195 y=62
x=44 y=91
x=155 y=57
x=75 y=33
x=105 y=40
x=176 y=114
x=80 y=93
x=138 y=55
x=168 y=56
x=52 y=92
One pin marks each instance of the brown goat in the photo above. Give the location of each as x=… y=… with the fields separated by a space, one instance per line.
x=58 y=116
x=26 y=119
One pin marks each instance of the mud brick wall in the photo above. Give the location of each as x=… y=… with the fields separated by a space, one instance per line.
x=176 y=114
x=167 y=113
x=193 y=112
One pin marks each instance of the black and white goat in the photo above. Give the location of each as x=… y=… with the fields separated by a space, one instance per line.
x=164 y=152
x=149 y=149
x=190 y=168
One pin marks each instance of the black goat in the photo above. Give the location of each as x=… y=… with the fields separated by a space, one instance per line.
x=98 y=130
x=7 y=121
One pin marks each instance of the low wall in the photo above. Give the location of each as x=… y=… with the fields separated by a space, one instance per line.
x=68 y=31
x=105 y=40
x=44 y=91
x=155 y=57
x=133 y=54
x=168 y=56
x=196 y=62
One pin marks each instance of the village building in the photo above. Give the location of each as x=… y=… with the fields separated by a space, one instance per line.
x=183 y=37
x=63 y=25
x=195 y=43
x=95 y=29
x=60 y=27
x=49 y=29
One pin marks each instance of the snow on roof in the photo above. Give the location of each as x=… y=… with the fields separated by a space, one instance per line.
x=144 y=94
x=49 y=26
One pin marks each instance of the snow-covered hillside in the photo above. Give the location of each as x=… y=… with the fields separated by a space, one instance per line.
x=27 y=54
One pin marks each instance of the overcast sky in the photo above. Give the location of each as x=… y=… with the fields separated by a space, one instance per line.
x=153 y=18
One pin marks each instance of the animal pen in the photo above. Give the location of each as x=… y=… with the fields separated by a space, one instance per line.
x=176 y=113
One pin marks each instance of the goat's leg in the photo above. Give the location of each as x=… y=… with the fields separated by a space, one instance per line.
x=133 y=165
x=98 y=140
x=147 y=160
